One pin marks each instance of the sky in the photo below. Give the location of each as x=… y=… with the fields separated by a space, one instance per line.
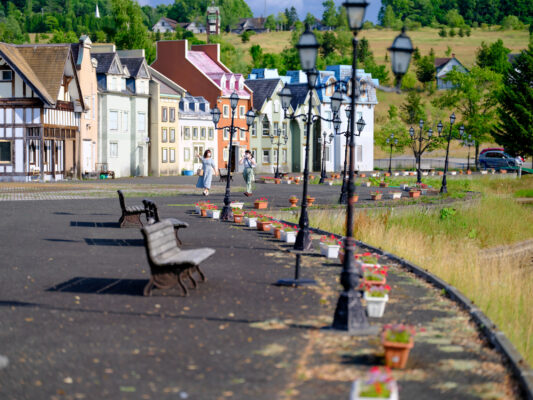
x=274 y=6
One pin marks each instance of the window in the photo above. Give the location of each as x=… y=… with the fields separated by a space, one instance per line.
x=225 y=154
x=195 y=133
x=327 y=154
x=274 y=156
x=141 y=122
x=164 y=135
x=225 y=111
x=243 y=135
x=276 y=106
x=328 y=116
x=284 y=129
x=164 y=155
x=32 y=152
x=172 y=135
x=5 y=152
x=113 y=120
x=226 y=133
x=202 y=133
x=172 y=155
x=164 y=114
x=187 y=133
x=113 y=150
x=266 y=156
x=284 y=156
x=187 y=154
x=276 y=128
x=211 y=134
x=254 y=129
x=254 y=153
x=7 y=76
x=359 y=153
x=172 y=114
x=266 y=127
x=242 y=114
x=125 y=120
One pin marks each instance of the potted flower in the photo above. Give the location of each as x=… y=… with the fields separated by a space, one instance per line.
x=378 y=385
x=376 y=298
x=289 y=234
x=383 y=184
x=275 y=228
x=396 y=195
x=468 y=172
x=397 y=340
x=368 y=259
x=365 y=184
x=372 y=277
x=213 y=212
x=261 y=204
x=310 y=200
x=250 y=219
x=377 y=195
x=238 y=215
x=362 y=175
x=354 y=199
x=297 y=180
x=387 y=174
x=198 y=206
x=237 y=204
x=329 y=246
x=263 y=224
x=414 y=193
x=203 y=210
x=277 y=181
x=293 y=200
x=441 y=173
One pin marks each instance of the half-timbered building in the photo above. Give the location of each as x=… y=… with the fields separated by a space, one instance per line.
x=40 y=106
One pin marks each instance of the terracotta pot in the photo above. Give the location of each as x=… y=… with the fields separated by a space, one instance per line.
x=383 y=184
x=203 y=213
x=469 y=172
x=441 y=173
x=375 y=283
x=376 y=196
x=238 y=218
x=503 y=171
x=261 y=205
x=396 y=354
x=387 y=174
x=277 y=181
x=355 y=199
x=310 y=201
x=277 y=233
x=362 y=175
x=263 y=226
x=297 y=181
x=293 y=202
x=414 y=194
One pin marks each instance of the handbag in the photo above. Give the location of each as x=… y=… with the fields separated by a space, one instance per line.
x=200 y=172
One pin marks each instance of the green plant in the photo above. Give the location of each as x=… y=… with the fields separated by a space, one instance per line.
x=377 y=291
x=377 y=385
x=446 y=213
x=398 y=333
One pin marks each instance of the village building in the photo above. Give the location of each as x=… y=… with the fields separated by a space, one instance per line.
x=40 y=111
x=445 y=65
x=123 y=94
x=86 y=69
x=213 y=20
x=256 y=25
x=201 y=73
x=167 y=25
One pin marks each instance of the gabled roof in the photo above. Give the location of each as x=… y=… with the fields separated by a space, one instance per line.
x=253 y=23
x=136 y=66
x=263 y=90
x=439 y=62
x=104 y=61
x=298 y=94
x=169 y=21
x=167 y=86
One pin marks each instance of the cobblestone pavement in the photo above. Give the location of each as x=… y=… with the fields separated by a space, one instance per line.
x=74 y=323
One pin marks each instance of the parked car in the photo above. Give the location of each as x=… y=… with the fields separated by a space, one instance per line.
x=498 y=149
x=498 y=159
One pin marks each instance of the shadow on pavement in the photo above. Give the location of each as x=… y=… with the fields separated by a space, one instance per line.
x=131 y=287
x=114 y=242
x=88 y=224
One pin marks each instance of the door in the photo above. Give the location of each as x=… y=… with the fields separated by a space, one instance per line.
x=87 y=163
x=235 y=159
x=197 y=163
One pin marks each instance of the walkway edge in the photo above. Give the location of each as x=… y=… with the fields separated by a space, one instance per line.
x=519 y=367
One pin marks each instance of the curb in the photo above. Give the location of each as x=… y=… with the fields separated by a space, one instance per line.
x=519 y=367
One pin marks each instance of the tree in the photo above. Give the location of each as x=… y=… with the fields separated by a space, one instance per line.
x=412 y=111
x=310 y=19
x=389 y=18
x=425 y=70
x=515 y=129
x=257 y=55
x=494 y=57
x=270 y=23
x=282 y=22
x=329 y=17
x=474 y=96
x=292 y=16
x=363 y=51
x=393 y=126
x=454 y=19
x=329 y=42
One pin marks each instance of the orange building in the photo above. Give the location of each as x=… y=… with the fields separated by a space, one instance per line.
x=200 y=72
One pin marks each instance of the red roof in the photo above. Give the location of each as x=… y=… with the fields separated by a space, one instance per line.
x=441 y=61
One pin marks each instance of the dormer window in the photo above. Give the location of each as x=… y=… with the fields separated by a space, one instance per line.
x=7 y=75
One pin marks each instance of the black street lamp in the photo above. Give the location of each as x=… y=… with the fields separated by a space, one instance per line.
x=227 y=213
x=308 y=51
x=444 y=187
x=324 y=140
x=418 y=140
x=282 y=139
x=349 y=314
x=392 y=142
x=467 y=141
x=344 y=192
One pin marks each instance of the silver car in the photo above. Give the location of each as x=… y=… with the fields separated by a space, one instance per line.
x=498 y=160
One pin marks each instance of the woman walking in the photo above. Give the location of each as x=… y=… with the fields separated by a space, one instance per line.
x=249 y=163
x=206 y=173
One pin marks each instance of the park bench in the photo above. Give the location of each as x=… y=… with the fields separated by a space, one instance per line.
x=168 y=263
x=152 y=216
x=131 y=216
x=224 y=175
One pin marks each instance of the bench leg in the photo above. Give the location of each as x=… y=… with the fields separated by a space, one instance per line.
x=180 y=282
x=148 y=288
x=189 y=275
x=177 y=237
x=200 y=273
x=131 y=221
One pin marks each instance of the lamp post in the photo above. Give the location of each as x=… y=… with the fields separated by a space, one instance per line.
x=308 y=51
x=349 y=314
x=227 y=213
x=467 y=141
x=444 y=187
x=392 y=142
x=418 y=140
x=325 y=141
x=282 y=138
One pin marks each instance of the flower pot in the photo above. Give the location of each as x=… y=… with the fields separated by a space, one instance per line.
x=411 y=173
x=375 y=306
x=484 y=172
x=469 y=172
x=365 y=184
x=375 y=283
x=396 y=354
x=383 y=184
x=290 y=237
x=414 y=194
x=453 y=172
x=396 y=195
x=263 y=226
x=277 y=233
x=237 y=204
x=215 y=214
x=362 y=175
x=355 y=199
x=425 y=173
x=293 y=202
x=329 y=250
x=277 y=181
x=441 y=173
x=358 y=385
x=503 y=171
x=203 y=213
x=237 y=218
x=387 y=174
x=261 y=205
x=396 y=173
x=376 y=197
x=250 y=222
x=310 y=201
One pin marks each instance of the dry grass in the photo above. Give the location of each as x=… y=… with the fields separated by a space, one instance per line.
x=501 y=287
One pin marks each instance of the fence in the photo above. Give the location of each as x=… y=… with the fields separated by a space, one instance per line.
x=427 y=163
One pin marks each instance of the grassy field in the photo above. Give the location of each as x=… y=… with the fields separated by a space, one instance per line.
x=450 y=242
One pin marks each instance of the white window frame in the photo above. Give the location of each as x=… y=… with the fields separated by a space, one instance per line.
x=242 y=112
x=254 y=129
x=141 y=127
x=226 y=134
x=186 y=133
x=284 y=129
x=266 y=156
x=203 y=133
x=164 y=135
x=10 y=161
x=266 y=128
x=243 y=135
x=211 y=134
x=225 y=111
x=164 y=114
x=172 y=135
x=172 y=154
x=225 y=154
x=276 y=128
x=113 y=150
x=284 y=156
x=274 y=156
x=113 y=126
x=195 y=133
x=172 y=114
x=186 y=154
x=125 y=121
x=164 y=155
